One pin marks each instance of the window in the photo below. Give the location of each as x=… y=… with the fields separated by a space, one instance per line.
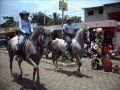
x=90 y=12
x=100 y=11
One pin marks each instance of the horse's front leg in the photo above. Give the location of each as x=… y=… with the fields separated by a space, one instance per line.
x=36 y=69
x=19 y=63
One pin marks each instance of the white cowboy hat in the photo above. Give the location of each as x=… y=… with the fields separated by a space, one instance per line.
x=99 y=29
x=23 y=13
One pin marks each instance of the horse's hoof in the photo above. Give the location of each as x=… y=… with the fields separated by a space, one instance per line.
x=79 y=74
x=34 y=87
x=20 y=77
x=37 y=83
x=55 y=70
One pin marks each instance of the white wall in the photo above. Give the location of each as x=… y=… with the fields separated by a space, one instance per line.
x=95 y=17
x=116 y=40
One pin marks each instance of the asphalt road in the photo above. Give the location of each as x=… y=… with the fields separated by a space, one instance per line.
x=64 y=79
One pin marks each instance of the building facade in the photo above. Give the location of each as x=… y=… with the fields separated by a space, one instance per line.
x=106 y=17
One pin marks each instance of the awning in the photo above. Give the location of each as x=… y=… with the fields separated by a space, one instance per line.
x=96 y=24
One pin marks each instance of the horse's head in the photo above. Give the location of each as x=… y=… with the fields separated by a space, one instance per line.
x=47 y=38
x=42 y=37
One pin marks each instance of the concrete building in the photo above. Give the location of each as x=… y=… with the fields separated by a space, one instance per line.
x=106 y=17
x=106 y=12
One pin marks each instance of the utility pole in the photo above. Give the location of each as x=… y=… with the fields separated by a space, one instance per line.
x=62 y=21
x=45 y=18
x=63 y=7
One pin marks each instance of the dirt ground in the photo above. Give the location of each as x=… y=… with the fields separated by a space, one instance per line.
x=63 y=79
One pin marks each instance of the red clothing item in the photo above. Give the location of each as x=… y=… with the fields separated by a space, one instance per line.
x=109 y=47
x=105 y=50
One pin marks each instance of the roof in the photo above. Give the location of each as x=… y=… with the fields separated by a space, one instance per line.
x=112 y=3
x=92 y=7
x=102 y=5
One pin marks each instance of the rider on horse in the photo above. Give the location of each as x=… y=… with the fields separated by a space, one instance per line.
x=69 y=33
x=25 y=30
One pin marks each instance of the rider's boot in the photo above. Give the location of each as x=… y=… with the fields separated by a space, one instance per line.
x=67 y=53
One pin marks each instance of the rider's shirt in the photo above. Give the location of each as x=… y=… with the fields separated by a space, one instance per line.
x=69 y=28
x=25 y=27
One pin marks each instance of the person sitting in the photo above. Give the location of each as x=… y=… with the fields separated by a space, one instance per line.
x=25 y=29
x=69 y=33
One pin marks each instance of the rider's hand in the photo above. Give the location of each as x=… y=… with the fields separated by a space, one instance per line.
x=72 y=34
x=26 y=34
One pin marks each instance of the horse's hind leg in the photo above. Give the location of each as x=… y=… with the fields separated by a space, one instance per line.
x=36 y=70
x=21 y=72
x=11 y=64
x=38 y=76
x=55 y=60
x=79 y=63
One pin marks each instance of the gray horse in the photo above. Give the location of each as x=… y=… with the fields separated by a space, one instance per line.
x=58 y=47
x=31 y=52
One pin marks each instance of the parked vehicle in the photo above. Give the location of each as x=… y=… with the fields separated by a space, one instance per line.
x=3 y=41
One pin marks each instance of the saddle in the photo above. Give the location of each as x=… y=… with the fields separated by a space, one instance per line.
x=20 y=48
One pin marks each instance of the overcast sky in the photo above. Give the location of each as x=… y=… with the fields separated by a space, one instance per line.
x=13 y=7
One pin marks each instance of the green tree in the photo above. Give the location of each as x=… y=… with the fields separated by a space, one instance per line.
x=55 y=19
x=76 y=19
x=40 y=18
x=10 y=22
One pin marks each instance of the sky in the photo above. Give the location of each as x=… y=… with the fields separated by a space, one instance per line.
x=13 y=7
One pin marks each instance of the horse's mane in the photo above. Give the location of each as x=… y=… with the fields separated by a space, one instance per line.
x=37 y=31
x=79 y=32
x=80 y=35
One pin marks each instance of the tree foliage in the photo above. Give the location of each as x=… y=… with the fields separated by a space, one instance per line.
x=54 y=19
x=39 y=18
x=10 y=22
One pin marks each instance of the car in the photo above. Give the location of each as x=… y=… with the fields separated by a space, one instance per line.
x=3 y=41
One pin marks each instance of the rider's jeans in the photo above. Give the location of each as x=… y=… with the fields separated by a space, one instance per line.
x=21 y=39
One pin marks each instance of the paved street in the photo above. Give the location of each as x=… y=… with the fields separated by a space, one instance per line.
x=64 y=79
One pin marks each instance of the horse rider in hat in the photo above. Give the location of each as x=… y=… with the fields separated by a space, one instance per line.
x=69 y=33
x=25 y=29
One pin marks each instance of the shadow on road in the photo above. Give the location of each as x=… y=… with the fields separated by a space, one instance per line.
x=73 y=73
x=69 y=73
x=27 y=83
